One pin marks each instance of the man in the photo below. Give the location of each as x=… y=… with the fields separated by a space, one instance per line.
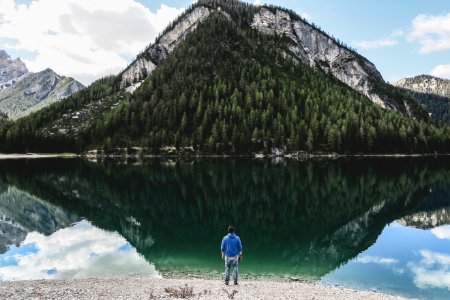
x=231 y=252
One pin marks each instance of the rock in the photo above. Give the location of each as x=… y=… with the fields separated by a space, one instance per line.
x=146 y=62
x=317 y=49
x=426 y=84
x=10 y=70
x=34 y=91
x=276 y=152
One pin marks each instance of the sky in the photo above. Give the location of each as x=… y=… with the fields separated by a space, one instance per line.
x=88 y=39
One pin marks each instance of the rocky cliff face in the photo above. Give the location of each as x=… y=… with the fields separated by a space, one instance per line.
x=34 y=91
x=10 y=70
x=426 y=84
x=311 y=46
x=146 y=62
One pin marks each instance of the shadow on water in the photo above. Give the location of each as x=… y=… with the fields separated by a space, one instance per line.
x=300 y=219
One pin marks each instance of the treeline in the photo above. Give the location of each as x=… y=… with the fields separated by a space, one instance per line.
x=299 y=204
x=437 y=106
x=29 y=134
x=227 y=89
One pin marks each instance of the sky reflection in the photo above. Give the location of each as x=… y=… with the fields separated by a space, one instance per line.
x=406 y=260
x=79 y=251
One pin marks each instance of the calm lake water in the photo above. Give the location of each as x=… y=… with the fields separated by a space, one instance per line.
x=378 y=224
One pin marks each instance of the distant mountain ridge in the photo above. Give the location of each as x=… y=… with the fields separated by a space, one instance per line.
x=10 y=70
x=23 y=92
x=426 y=84
x=432 y=92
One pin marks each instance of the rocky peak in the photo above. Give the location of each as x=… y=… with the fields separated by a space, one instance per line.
x=33 y=91
x=309 y=45
x=426 y=84
x=4 y=55
x=319 y=50
x=10 y=70
x=42 y=83
x=147 y=61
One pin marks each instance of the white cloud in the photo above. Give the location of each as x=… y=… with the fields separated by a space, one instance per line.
x=431 y=32
x=432 y=271
x=368 y=259
x=391 y=40
x=381 y=43
x=442 y=71
x=81 y=38
x=79 y=251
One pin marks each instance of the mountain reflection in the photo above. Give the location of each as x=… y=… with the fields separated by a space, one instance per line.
x=78 y=251
x=296 y=218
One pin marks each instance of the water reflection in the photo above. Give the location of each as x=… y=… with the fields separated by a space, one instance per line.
x=21 y=213
x=78 y=251
x=302 y=219
x=406 y=260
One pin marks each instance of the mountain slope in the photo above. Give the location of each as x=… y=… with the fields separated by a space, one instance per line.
x=217 y=85
x=426 y=84
x=235 y=92
x=306 y=43
x=22 y=92
x=35 y=91
x=432 y=92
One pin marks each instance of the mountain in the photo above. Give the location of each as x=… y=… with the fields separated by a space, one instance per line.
x=230 y=77
x=306 y=43
x=426 y=84
x=10 y=70
x=432 y=92
x=22 y=92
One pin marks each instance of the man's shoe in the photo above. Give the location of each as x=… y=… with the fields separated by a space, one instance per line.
x=235 y=283
x=226 y=283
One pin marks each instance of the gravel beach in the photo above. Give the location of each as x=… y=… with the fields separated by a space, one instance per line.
x=150 y=288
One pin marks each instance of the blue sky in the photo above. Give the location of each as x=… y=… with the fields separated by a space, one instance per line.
x=402 y=37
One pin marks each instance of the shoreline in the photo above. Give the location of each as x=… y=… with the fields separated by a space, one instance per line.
x=159 y=288
x=249 y=156
x=37 y=155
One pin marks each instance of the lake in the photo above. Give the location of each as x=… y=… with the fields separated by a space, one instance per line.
x=379 y=223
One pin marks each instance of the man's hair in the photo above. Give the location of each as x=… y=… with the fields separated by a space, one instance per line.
x=230 y=229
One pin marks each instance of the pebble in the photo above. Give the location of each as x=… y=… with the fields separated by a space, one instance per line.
x=151 y=288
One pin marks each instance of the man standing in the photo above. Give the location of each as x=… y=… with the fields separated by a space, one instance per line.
x=231 y=252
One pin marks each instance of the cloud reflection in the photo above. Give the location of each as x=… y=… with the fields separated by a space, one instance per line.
x=367 y=259
x=80 y=251
x=433 y=270
x=442 y=233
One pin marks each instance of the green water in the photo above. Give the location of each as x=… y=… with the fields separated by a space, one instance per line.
x=333 y=220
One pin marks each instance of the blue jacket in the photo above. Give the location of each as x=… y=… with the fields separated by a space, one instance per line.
x=231 y=245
